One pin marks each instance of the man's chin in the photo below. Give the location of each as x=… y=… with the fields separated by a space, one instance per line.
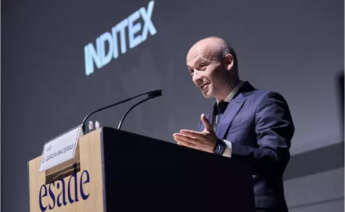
x=206 y=95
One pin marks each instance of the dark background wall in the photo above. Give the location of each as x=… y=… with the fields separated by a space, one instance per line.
x=293 y=47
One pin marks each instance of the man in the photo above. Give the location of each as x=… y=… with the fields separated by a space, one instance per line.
x=245 y=122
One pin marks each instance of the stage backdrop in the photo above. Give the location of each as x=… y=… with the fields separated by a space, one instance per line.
x=62 y=59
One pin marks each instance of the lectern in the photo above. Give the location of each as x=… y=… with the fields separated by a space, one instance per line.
x=121 y=171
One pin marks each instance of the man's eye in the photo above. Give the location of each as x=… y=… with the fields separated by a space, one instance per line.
x=191 y=71
x=202 y=66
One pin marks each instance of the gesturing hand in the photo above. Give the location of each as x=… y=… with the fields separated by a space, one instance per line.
x=205 y=140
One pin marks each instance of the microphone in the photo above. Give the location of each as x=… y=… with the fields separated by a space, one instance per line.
x=151 y=94
x=155 y=93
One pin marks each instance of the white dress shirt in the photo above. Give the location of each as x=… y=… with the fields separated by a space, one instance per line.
x=227 y=151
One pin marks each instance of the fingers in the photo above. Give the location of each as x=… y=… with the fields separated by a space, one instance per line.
x=206 y=123
x=197 y=141
x=185 y=138
x=192 y=133
x=189 y=142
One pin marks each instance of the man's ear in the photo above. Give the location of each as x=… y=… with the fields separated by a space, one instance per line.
x=229 y=61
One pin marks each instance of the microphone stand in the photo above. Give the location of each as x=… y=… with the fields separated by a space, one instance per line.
x=151 y=94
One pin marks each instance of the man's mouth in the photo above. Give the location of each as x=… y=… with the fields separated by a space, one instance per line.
x=204 y=86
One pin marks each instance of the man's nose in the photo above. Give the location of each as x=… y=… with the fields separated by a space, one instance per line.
x=197 y=78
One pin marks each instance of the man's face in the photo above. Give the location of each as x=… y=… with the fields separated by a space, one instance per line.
x=207 y=72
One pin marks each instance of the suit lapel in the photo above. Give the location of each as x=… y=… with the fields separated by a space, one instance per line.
x=229 y=114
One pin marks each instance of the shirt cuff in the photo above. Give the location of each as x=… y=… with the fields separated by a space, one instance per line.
x=227 y=152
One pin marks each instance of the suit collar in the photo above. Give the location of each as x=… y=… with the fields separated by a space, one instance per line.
x=245 y=88
x=233 y=92
x=229 y=114
x=232 y=110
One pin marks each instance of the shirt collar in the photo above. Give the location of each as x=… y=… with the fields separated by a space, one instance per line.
x=233 y=92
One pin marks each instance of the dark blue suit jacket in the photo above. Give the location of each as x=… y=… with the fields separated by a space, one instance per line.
x=260 y=127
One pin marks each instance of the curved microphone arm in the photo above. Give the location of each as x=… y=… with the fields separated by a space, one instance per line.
x=150 y=93
x=129 y=110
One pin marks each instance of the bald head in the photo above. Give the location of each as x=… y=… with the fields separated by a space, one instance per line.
x=213 y=48
x=213 y=66
x=210 y=47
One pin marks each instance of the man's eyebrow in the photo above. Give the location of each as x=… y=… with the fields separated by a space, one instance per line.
x=197 y=62
x=202 y=59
